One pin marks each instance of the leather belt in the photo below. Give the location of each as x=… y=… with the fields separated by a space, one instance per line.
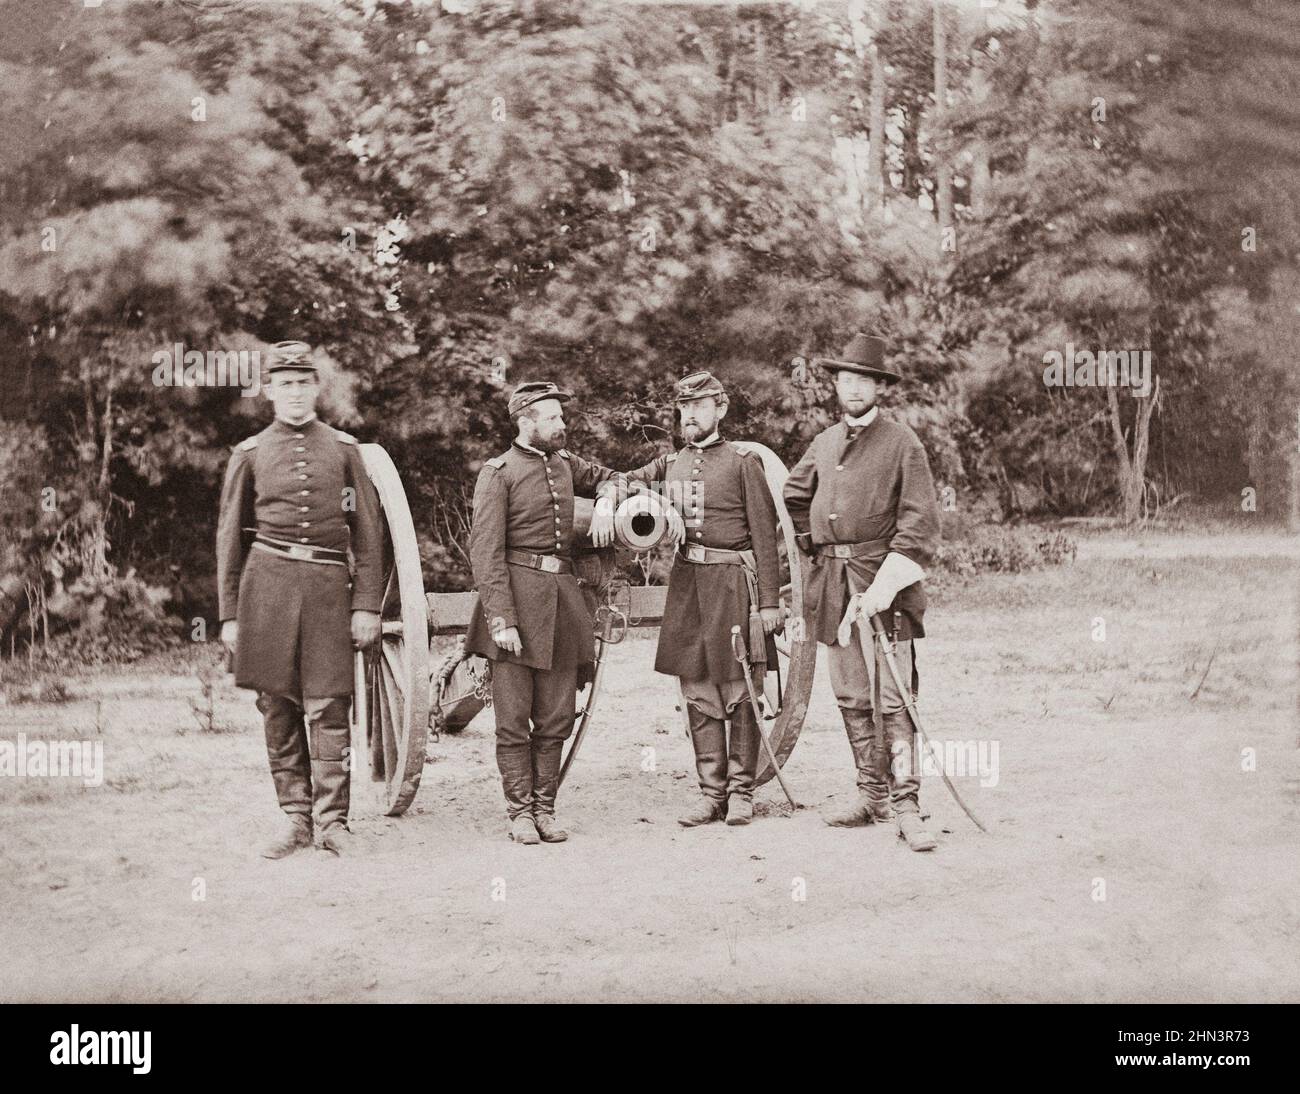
x=872 y=547
x=694 y=552
x=548 y=564
x=301 y=552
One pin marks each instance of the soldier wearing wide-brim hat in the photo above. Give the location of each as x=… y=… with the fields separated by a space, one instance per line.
x=865 y=355
x=295 y=502
x=530 y=617
x=863 y=505
x=725 y=573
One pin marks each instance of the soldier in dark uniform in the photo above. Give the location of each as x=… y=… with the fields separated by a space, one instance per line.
x=726 y=568
x=864 y=508
x=295 y=503
x=530 y=617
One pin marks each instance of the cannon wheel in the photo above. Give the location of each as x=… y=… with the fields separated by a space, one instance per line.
x=390 y=703
x=786 y=692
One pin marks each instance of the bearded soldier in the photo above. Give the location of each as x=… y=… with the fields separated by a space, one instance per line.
x=725 y=569
x=864 y=508
x=295 y=503
x=530 y=617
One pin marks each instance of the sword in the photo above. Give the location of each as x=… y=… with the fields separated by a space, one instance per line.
x=738 y=649
x=887 y=649
x=608 y=614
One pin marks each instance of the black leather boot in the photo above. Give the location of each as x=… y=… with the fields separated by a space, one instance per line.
x=331 y=775
x=515 y=762
x=286 y=749
x=872 y=803
x=905 y=783
x=294 y=834
x=547 y=756
x=742 y=764
x=709 y=740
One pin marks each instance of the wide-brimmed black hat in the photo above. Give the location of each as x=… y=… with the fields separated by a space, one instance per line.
x=865 y=353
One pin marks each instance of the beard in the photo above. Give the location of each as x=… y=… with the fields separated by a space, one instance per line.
x=552 y=443
x=855 y=408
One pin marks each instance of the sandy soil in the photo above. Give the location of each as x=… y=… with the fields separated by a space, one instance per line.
x=1109 y=772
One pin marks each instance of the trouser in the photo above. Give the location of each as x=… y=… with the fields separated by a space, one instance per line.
x=308 y=746
x=535 y=711
x=725 y=763
x=892 y=773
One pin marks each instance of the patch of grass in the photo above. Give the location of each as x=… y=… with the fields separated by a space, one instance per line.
x=43 y=689
x=999 y=549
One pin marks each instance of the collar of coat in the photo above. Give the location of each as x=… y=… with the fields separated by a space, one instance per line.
x=866 y=419
x=713 y=438
x=284 y=423
x=529 y=450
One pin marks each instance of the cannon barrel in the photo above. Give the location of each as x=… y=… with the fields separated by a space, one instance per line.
x=640 y=522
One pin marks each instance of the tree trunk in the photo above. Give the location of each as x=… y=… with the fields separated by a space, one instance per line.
x=1132 y=466
x=938 y=135
x=865 y=25
x=979 y=93
x=876 y=188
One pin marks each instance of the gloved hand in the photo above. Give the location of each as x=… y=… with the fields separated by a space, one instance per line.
x=896 y=573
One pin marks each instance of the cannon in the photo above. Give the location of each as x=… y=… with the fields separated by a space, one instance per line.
x=399 y=691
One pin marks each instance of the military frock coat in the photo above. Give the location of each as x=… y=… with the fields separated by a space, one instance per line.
x=723 y=497
x=523 y=501
x=297 y=485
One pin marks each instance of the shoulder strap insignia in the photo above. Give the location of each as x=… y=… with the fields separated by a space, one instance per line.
x=496 y=461
x=346 y=438
x=564 y=452
x=670 y=457
x=246 y=446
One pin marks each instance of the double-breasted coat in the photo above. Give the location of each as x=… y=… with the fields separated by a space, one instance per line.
x=723 y=497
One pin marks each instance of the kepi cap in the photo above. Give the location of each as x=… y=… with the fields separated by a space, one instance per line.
x=698 y=385
x=534 y=392
x=291 y=355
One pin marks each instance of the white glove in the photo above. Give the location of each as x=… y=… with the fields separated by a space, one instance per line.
x=896 y=573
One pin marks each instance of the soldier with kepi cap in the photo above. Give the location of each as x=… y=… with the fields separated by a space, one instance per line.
x=530 y=617
x=295 y=504
x=725 y=574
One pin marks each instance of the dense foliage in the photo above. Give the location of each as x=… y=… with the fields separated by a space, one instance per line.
x=451 y=197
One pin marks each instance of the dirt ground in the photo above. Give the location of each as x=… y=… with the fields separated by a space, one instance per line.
x=1113 y=782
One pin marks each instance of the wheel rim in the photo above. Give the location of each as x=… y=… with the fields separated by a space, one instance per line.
x=797 y=649
x=390 y=725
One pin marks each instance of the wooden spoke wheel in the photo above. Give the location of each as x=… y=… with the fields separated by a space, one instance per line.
x=787 y=686
x=390 y=704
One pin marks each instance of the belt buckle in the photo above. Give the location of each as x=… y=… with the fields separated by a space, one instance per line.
x=695 y=553
x=299 y=552
x=550 y=564
x=843 y=550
